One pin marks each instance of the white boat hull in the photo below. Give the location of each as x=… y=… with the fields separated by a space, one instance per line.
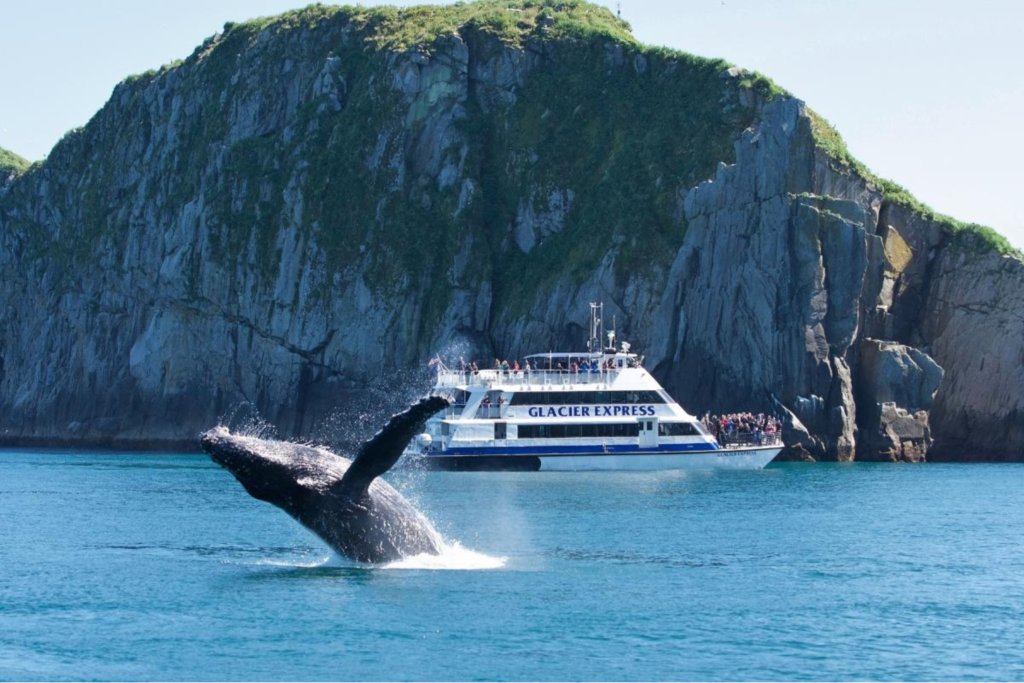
x=751 y=458
x=739 y=459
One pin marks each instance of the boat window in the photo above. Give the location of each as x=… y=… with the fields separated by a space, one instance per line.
x=579 y=430
x=573 y=398
x=500 y=430
x=677 y=429
x=522 y=398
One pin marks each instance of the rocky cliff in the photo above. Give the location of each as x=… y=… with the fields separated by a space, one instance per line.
x=313 y=202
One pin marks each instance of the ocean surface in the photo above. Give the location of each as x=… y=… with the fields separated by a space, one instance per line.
x=125 y=566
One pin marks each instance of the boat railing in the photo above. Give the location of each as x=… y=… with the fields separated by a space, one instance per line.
x=748 y=438
x=525 y=378
x=489 y=412
x=454 y=410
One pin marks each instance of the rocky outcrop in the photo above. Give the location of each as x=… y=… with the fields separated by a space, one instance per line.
x=896 y=385
x=973 y=322
x=307 y=206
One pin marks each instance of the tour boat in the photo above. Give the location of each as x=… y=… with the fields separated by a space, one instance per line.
x=555 y=415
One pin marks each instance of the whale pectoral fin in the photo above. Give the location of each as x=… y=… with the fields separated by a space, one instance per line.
x=379 y=454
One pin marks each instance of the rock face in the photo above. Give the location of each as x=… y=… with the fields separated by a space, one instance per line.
x=973 y=320
x=308 y=204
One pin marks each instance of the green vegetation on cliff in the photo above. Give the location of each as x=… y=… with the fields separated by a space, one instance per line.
x=12 y=163
x=968 y=235
x=624 y=143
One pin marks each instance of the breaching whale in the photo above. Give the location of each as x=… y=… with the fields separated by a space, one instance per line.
x=341 y=501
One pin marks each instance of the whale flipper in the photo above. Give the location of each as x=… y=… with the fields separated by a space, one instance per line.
x=379 y=454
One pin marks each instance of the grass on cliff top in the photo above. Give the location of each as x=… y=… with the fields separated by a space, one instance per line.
x=510 y=20
x=9 y=161
x=967 y=235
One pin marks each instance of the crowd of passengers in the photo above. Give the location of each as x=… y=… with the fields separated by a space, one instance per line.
x=503 y=366
x=743 y=427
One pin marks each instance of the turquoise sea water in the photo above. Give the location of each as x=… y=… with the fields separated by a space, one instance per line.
x=119 y=566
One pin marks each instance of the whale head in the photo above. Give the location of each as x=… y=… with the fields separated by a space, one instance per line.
x=277 y=472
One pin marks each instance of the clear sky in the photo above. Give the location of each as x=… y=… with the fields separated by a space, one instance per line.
x=928 y=93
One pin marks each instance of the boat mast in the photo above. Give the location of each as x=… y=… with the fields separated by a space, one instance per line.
x=596 y=327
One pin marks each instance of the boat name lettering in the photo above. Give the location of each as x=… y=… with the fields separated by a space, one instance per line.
x=590 y=411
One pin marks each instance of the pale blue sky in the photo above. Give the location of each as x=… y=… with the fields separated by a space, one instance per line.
x=928 y=93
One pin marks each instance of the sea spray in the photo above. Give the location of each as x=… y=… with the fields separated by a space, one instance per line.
x=244 y=418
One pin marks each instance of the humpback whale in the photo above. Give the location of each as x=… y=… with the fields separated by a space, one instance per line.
x=342 y=501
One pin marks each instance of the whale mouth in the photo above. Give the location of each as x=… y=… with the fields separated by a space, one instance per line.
x=212 y=441
x=226 y=449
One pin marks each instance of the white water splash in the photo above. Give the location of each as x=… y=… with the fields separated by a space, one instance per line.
x=454 y=556
x=292 y=564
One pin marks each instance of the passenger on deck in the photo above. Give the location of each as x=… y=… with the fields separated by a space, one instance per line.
x=742 y=428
